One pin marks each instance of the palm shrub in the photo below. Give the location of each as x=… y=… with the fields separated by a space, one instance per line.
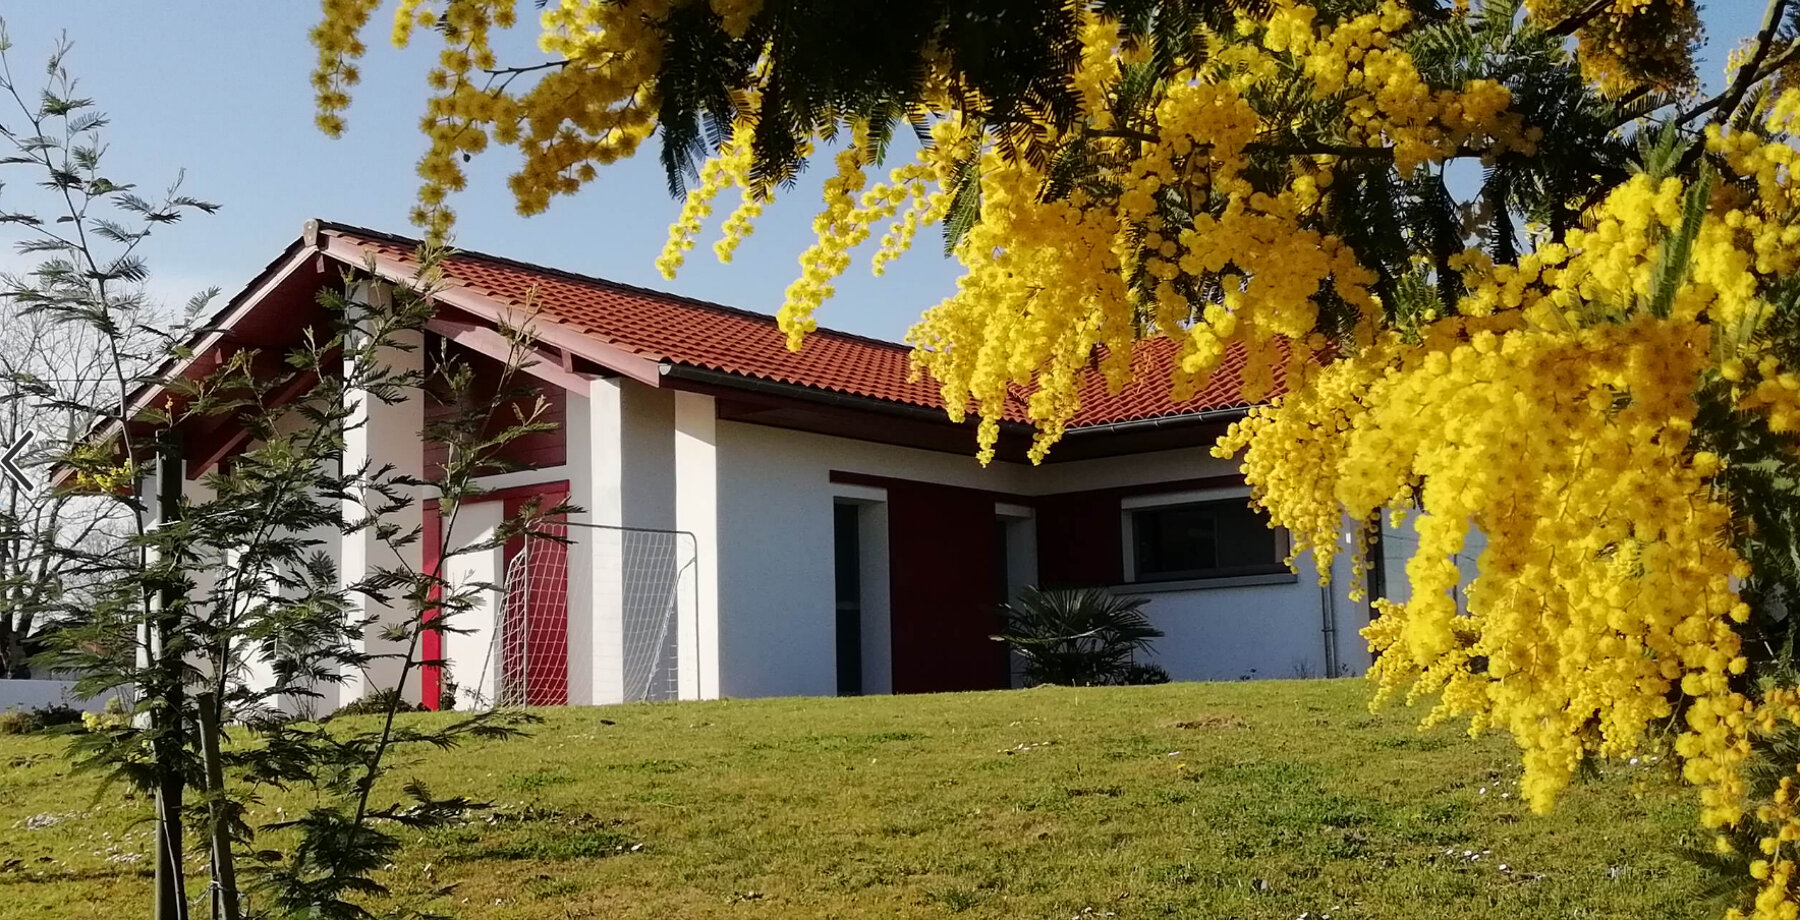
x=1085 y=637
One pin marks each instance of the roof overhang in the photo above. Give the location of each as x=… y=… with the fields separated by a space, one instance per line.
x=793 y=406
x=569 y=340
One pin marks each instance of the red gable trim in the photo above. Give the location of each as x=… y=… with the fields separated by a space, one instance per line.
x=543 y=325
x=489 y=342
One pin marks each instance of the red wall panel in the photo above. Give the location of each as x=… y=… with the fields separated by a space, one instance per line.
x=543 y=663
x=942 y=576
x=1078 y=540
x=431 y=672
x=1080 y=533
x=537 y=450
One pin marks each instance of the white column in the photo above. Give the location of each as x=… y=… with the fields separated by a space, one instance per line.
x=149 y=644
x=330 y=695
x=379 y=434
x=697 y=512
x=596 y=605
x=471 y=659
x=203 y=578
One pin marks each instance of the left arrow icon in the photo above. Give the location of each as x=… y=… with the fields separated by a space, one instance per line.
x=9 y=466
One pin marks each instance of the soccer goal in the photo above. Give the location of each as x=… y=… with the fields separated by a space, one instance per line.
x=647 y=573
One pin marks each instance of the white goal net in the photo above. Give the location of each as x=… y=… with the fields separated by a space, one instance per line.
x=647 y=575
x=655 y=567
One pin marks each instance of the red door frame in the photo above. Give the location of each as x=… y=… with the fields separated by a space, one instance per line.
x=431 y=671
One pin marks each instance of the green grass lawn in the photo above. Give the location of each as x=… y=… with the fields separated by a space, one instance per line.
x=1254 y=800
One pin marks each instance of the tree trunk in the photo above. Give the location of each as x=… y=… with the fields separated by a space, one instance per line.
x=168 y=747
x=226 y=905
x=12 y=657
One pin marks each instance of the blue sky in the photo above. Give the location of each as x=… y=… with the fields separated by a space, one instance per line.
x=220 y=89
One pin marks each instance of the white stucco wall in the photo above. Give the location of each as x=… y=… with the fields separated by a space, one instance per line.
x=622 y=470
x=1400 y=541
x=470 y=658
x=1113 y=472
x=1271 y=627
x=647 y=456
x=379 y=435
x=1257 y=632
x=775 y=500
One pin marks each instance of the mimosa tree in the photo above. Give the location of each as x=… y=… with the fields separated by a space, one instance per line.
x=1587 y=349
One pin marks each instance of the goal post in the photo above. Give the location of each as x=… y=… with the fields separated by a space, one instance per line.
x=652 y=582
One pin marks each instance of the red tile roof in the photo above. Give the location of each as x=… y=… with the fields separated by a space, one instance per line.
x=1147 y=395
x=666 y=327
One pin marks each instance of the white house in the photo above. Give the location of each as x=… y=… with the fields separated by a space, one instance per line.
x=759 y=522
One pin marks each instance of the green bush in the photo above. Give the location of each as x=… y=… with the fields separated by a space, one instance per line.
x=112 y=716
x=18 y=722
x=1140 y=674
x=1080 y=638
x=377 y=703
x=28 y=722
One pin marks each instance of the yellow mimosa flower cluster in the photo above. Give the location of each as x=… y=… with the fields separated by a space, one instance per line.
x=589 y=107
x=338 y=40
x=1554 y=415
x=1629 y=44
x=1043 y=282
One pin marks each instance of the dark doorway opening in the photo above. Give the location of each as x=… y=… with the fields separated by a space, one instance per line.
x=847 y=545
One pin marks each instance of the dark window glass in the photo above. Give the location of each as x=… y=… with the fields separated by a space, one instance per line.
x=1216 y=539
x=846 y=519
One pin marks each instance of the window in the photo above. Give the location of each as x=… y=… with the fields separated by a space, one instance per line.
x=1221 y=538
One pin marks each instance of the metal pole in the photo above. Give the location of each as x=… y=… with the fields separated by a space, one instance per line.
x=1328 y=614
x=169 y=740
x=1376 y=560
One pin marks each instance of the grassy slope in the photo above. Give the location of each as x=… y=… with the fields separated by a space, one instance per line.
x=1262 y=800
